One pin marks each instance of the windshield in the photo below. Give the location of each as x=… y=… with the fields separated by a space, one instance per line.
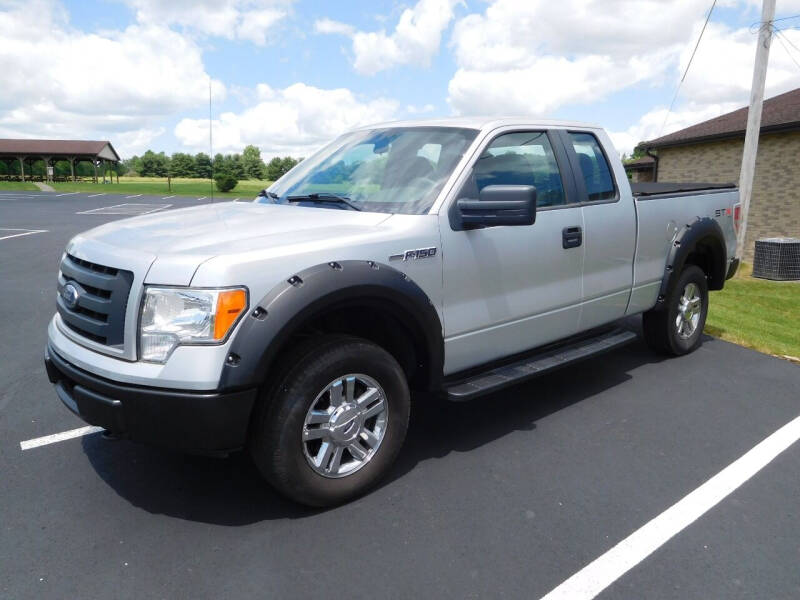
x=392 y=170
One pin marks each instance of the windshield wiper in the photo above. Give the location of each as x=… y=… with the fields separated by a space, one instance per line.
x=268 y=194
x=323 y=197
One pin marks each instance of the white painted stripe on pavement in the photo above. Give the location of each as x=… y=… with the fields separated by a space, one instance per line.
x=134 y=196
x=67 y=194
x=203 y=198
x=167 y=197
x=59 y=437
x=94 y=210
x=605 y=570
x=25 y=232
x=156 y=209
x=95 y=195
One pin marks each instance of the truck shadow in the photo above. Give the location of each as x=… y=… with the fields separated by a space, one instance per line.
x=231 y=492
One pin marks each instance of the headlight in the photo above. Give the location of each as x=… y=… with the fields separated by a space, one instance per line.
x=175 y=316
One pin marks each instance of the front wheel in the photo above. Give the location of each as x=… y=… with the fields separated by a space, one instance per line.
x=677 y=327
x=335 y=423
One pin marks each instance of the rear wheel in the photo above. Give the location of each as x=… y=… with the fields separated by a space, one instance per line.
x=335 y=423
x=677 y=327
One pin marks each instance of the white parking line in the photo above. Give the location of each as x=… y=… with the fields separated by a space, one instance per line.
x=605 y=570
x=95 y=195
x=203 y=198
x=59 y=437
x=157 y=208
x=134 y=196
x=66 y=194
x=25 y=232
x=167 y=197
x=129 y=209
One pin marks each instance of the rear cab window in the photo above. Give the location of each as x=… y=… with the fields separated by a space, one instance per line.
x=594 y=168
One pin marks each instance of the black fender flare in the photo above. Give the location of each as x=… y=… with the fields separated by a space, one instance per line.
x=703 y=232
x=307 y=294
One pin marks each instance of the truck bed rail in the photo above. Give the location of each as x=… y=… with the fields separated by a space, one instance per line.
x=673 y=188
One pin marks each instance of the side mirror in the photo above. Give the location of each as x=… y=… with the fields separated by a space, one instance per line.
x=498 y=205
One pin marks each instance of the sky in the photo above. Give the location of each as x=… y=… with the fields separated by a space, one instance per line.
x=289 y=75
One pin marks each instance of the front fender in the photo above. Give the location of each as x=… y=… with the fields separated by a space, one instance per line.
x=308 y=293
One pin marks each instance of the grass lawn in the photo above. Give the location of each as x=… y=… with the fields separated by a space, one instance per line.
x=17 y=185
x=155 y=186
x=757 y=313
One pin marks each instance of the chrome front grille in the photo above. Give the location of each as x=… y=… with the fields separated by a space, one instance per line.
x=96 y=309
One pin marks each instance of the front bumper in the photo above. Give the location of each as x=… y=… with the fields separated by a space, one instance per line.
x=206 y=422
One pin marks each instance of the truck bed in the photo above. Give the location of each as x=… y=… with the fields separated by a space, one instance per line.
x=668 y=188
x=662 y=210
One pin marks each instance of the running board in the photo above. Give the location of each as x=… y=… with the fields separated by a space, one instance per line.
x=533 y=366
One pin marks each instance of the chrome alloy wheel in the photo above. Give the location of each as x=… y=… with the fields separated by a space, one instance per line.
x=345 y=425
x=690 y=305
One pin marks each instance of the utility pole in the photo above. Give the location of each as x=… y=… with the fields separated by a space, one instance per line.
x=210 y=140
x=754 y=119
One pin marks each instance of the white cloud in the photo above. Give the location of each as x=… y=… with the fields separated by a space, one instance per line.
x=115 y=85
x=295 y=120
x=336 y=27
x=650 y=124
x=415 y=40
x=526 y=57
x=232 y=19
x=718 y=82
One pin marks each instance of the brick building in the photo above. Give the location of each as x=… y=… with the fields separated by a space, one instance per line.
x=712 y=152
x=641 y=170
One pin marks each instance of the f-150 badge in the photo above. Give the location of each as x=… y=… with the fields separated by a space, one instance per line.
x=414 y=254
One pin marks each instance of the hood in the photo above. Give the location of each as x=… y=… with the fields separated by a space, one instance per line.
x=182 y=239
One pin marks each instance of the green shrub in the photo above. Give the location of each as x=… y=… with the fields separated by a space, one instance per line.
x=225 y=182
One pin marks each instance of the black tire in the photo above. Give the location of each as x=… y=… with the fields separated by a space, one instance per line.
x=276 y=435
x=660 y=326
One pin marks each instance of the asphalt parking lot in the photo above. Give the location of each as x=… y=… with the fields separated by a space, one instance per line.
x=505 y=497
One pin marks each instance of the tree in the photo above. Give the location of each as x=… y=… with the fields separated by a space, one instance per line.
x=154 y=165
x=638 y=151
x=219 y=163
x=254 y=167
x=225 y=181
x=182 y=165
x=202 y=165
x=277 y=167
x=132 y=165
x=235 y=166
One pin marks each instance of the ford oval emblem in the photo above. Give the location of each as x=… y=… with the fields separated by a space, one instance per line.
x=69 y=294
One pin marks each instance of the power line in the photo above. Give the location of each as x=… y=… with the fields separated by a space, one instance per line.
x=691 y=58
x=781 y=38
x=785 y=37
x=786 y=18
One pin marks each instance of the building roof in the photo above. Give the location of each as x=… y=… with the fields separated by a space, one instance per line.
x=102 y=149
x=778 y=113
x=643 y=162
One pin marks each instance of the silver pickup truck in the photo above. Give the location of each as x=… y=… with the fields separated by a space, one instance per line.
x=455 y=256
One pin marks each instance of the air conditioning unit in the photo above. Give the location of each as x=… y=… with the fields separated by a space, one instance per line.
x=777 y=259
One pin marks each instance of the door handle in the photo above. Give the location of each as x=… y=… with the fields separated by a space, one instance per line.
x=571 y=237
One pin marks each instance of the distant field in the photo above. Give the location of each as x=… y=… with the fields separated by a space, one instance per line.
x=17 y=185
x=155 y=186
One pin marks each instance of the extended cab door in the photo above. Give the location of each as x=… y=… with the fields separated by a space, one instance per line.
x=609 y=218
x=511 y=288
